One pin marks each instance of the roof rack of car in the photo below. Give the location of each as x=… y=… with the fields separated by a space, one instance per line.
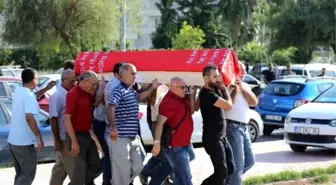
x=10 y=67
x=292 y=76
x=321 y=78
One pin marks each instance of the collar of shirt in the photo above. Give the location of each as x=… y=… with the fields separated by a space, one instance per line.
x=124 y=85
x=62 y=90
x=174 y=96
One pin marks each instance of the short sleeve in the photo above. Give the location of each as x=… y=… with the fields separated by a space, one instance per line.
x=30 y=104
x=115 y=97
x=53 y=113
x=208 y=98
x=166 y=109
x=70 y=103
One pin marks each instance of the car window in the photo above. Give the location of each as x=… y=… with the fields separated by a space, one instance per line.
x=316 y=73
x=324 y=86
x=2 y=89
x=298 y=71
x=18 y=72
x=3 y=119
x=14 y=85
x=305 y=73
x=283 y=89
x=41 y=80
x=7 y=73
x=250 y=80
x=328 y=96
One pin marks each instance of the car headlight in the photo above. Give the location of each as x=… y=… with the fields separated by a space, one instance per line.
x=333 y=123
x=288 y=120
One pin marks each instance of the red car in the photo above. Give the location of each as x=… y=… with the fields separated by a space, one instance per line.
x=8 y=85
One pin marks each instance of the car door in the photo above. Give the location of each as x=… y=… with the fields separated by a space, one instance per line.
x=5 y=156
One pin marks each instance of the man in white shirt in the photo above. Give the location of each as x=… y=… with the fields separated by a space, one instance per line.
x=24 y=130
x=63 y=163
x=237 y=132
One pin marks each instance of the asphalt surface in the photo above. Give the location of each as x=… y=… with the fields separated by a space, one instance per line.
x=271 y=153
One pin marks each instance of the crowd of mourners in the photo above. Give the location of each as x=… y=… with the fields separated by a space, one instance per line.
x=90 y=116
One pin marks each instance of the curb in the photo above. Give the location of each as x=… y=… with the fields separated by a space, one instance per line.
x=307 y=181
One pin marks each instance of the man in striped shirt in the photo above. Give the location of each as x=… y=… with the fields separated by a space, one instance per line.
x=124 y=142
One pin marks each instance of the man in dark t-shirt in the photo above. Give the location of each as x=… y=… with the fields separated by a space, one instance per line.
x=269 y=74
x=214 y=100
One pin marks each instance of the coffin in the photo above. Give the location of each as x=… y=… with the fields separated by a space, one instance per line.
x=163 y=64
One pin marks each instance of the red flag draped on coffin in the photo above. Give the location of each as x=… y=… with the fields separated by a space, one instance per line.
x=187 y=61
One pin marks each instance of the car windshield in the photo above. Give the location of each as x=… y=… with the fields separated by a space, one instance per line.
x=328 y=96
x=316 y=73
x=283 y=89
x=41 y=80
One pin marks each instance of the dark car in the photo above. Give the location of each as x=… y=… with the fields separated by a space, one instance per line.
x=47 y=153
x=256 y=86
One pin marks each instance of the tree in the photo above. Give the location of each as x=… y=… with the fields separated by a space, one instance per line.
x=76 y=24
x=168 y=27
x=189 y=38
x=206 y=15
x=284 y=56
x=253 y=52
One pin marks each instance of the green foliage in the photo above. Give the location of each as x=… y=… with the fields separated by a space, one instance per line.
x=254 y=52
x=52 y=59
x=5 y=56
x=189 y=38
x=283 y=56
x=322 y=179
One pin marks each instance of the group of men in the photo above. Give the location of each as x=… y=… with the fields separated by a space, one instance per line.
x=87 y=115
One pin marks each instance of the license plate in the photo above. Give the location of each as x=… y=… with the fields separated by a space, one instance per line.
x=306 y=130
x=273 y=117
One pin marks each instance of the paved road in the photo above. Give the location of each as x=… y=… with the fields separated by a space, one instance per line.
x=272 y=155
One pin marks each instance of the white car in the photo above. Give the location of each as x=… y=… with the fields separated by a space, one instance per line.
x=313 y=124
x=255 y=126
x=43 y=81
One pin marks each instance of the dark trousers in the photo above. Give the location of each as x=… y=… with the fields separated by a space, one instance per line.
x=222 y=160
x=99 y=128
x=85 y=165
x=25 y=161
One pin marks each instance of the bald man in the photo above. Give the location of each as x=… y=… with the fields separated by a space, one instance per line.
x=175 y=113
x=237 y=132
x=56 y=112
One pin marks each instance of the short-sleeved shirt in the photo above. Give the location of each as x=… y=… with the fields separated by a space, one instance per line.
x=57 y=109
x=79 y=105
x=24 y=101
x=240 y=109
x=269 y=75
x=214 y=122
x=99 y=112
x=173 y=108
x=112 y=84
x=288 y=72
x=126 y=102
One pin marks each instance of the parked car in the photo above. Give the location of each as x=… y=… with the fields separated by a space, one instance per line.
x=9 y=84
x=312 y=70
x=255 y=126
x=313 y=124
x=14 y=71
x=43 y=81
x=283 y=95
x=43 y=124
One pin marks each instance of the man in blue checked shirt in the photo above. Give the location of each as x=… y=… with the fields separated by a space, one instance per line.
x=124 y=142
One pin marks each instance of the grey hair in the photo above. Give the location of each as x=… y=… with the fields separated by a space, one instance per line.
x=88 y=74
x=176 y=79
x=124 y=67
x=66 y=73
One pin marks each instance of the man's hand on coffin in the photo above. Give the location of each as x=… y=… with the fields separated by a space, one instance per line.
x=155 y=84
x=192 y=90
x=239 y=83
x=234 y=87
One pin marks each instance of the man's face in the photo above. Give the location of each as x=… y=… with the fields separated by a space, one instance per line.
x=270 y=67
x=323 y=71
x=35 y=81
x=69 y=82
x=213 y=79
x=289 y=68
x=178 y=88
x=89 y=85
x=129 y=76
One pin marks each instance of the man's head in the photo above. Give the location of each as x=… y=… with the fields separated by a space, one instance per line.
x=68 y=79
x=69 y=64
x=116 y=69
x=323 y=71
x=270 y=66
x=29 y=77
x=289 y=68
x=242 y=71
x=88 y=81
x=178 y=86
x=127 y=73
x=211 y=76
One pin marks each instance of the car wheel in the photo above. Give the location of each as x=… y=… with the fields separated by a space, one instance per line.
x=298 y=148
x=253 y=130
x=268 y=131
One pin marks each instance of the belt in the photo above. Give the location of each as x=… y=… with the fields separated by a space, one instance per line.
x=236 y=122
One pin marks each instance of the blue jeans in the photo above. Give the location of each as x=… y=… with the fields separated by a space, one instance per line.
x=99 y=128
x=179 y=161
x=240 y=141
